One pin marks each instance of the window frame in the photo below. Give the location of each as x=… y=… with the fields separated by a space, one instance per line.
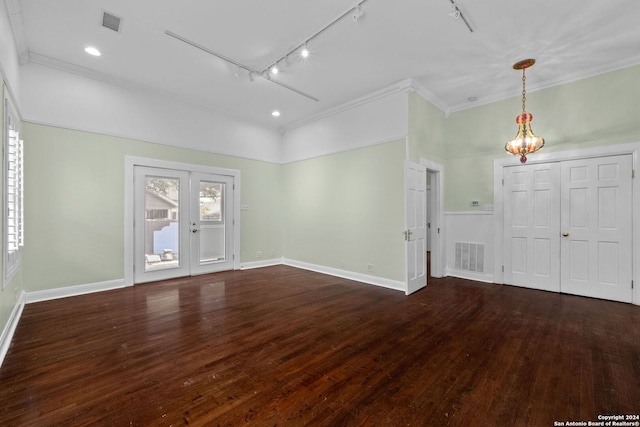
x=12 y=185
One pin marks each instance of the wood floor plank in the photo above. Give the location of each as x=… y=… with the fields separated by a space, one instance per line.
x=288 y=347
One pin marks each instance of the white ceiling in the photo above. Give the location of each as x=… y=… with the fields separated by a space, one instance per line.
x=394 y=40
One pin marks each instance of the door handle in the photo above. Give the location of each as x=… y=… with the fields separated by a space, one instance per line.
x=195 y=230
x=565 y=233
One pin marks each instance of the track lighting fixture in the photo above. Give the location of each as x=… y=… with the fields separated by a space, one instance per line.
x=456 y=13
x=304 y=51
x=275 y=67
x=357 y=13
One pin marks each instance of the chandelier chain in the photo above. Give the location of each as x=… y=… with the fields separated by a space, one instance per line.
x=524 y=96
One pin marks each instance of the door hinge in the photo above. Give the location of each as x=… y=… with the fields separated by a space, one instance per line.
x=633 y=173
x=632 y=284
x=503 y=268
x=503 y=182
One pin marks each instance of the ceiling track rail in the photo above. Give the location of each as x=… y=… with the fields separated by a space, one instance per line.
x=457 y=9
x=251 y=71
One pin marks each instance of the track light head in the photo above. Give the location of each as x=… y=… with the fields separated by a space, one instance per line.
x=274 y=70
x=357 y=13
x=304 y=51
x=455 y=12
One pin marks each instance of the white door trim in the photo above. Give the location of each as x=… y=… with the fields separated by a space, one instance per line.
x=437 y=238
x=574 y=154
x=130 y=162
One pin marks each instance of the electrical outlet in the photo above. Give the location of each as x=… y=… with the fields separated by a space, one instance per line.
x=259 y=254
x=370 y=268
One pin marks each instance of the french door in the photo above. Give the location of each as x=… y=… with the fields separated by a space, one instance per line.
x=183 y=223
x=568 y=227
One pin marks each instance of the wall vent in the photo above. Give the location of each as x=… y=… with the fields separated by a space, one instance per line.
x=469 y=256
x=111 y=21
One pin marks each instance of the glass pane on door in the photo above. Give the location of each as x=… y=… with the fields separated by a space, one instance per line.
x=162 y=230
x=212 y=222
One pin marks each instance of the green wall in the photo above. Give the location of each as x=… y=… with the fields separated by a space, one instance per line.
x=74 y=204
x=597 y=111
x=345 y=210
x=426 y=131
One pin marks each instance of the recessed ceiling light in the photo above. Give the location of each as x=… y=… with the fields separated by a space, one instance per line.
x=92 y=51
x=275 y=113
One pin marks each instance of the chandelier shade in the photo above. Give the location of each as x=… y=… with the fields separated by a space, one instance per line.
x=525 y=141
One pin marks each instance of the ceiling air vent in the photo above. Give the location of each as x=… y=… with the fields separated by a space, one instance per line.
x=111 y=21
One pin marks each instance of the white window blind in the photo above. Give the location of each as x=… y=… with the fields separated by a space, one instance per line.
x=13 y=192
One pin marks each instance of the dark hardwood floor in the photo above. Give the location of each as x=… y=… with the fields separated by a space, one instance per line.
x=288 y=347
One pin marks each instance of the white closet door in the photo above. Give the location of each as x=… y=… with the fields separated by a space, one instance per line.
x=596 y=227
x=532 y=228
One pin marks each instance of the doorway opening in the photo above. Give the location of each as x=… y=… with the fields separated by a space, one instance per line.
x=434 y=213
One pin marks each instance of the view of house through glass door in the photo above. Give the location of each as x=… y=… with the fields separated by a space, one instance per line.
x=183 y=223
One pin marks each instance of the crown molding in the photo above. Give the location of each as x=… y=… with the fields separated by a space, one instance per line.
x=68 y=67
x=562 y=79
x=403 y=86
x=17 y=28
x=431 y=97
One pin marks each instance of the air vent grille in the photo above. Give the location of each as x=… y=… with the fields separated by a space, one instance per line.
x=469 y=256
x=111 y=21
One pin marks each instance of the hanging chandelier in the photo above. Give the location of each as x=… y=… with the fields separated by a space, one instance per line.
x=525 y=141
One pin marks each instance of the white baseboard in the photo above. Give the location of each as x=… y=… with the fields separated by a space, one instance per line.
x=470 y=275
x=258 y=264
x=10 y=327
x=71 y=291
x=345 y=274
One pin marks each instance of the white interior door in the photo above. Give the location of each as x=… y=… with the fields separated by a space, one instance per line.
x=415 y=232
x=183 y=223
x=596 y=227
x=532 y=228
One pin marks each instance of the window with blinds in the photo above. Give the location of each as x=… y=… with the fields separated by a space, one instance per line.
x=13 y=197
